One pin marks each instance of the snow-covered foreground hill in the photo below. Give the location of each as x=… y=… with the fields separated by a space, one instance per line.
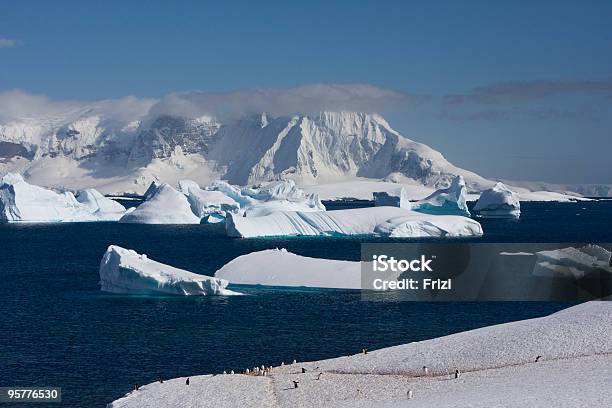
x=497 y=364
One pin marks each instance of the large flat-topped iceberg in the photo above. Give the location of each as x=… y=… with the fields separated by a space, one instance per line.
x=20 y=201
x=383 y=221
x=447 y=201
x=125 y=271
x=102 y=207
x=166 y=206
x=274 y=267
x=498 y=202
x=306 y=204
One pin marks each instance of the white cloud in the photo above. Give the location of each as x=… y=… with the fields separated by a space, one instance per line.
x=17 y=104
x=8 y=43
x=304 y=99
x=277 y=101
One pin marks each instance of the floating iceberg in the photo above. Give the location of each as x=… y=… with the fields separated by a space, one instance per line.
x=498 y=202
x=274 y=267
x=383 y=221
x=126 y=271
x=275 y=190
x=151 y=190
x=211 y=206
x=398 y=198
x=447 y=201
x=272 y=197
x=233 y=192
x=166 y=206
x=572 y=262
x=20 y=201
x=102 y=207
x=309 y=203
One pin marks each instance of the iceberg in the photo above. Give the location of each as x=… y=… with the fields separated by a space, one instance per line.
x=275 y=190
x=498 y=202
x=166 y=206
x=274 y=267
x=398 y=198
x=572 y=262
x=206 y=203
x=309 y=203
x=233 y=192
x=275 y=196
x=24 y=202
x=151 y=190
x=447 y=201
x=102 y=207
x=125 y=271
x=382 y=221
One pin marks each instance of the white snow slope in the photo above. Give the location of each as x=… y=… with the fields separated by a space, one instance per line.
x=497 y=363
x=384 y=221
x=125 y=271
x=274 y=267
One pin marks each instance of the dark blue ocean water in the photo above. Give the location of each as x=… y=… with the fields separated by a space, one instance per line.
x=58 y=329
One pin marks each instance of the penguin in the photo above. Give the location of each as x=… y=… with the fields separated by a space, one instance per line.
x=319 y=376
x=224 y=372
x=295 y=384
x=187 y=381
x=409 y=394
x=457 y=373
x=364 y=351
x=538 y=358
x=294 y=361
x=232 y=372
x=303 y=370
x=246 y=371
x=425 y=370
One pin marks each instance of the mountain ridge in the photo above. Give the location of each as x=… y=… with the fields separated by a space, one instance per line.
x=311 y=149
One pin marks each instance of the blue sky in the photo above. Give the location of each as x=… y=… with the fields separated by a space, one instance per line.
x=519 y=90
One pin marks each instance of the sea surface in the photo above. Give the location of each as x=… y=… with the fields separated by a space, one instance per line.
x=58 y=329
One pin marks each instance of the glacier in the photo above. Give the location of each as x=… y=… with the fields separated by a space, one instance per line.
x=446 y=201
x=382 y=221
x=279 y=267
x=166 y=206
x=127 y=272
x=498 y=202
x=24 y=202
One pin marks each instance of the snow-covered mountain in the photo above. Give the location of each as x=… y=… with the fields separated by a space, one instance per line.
x=83 y=148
